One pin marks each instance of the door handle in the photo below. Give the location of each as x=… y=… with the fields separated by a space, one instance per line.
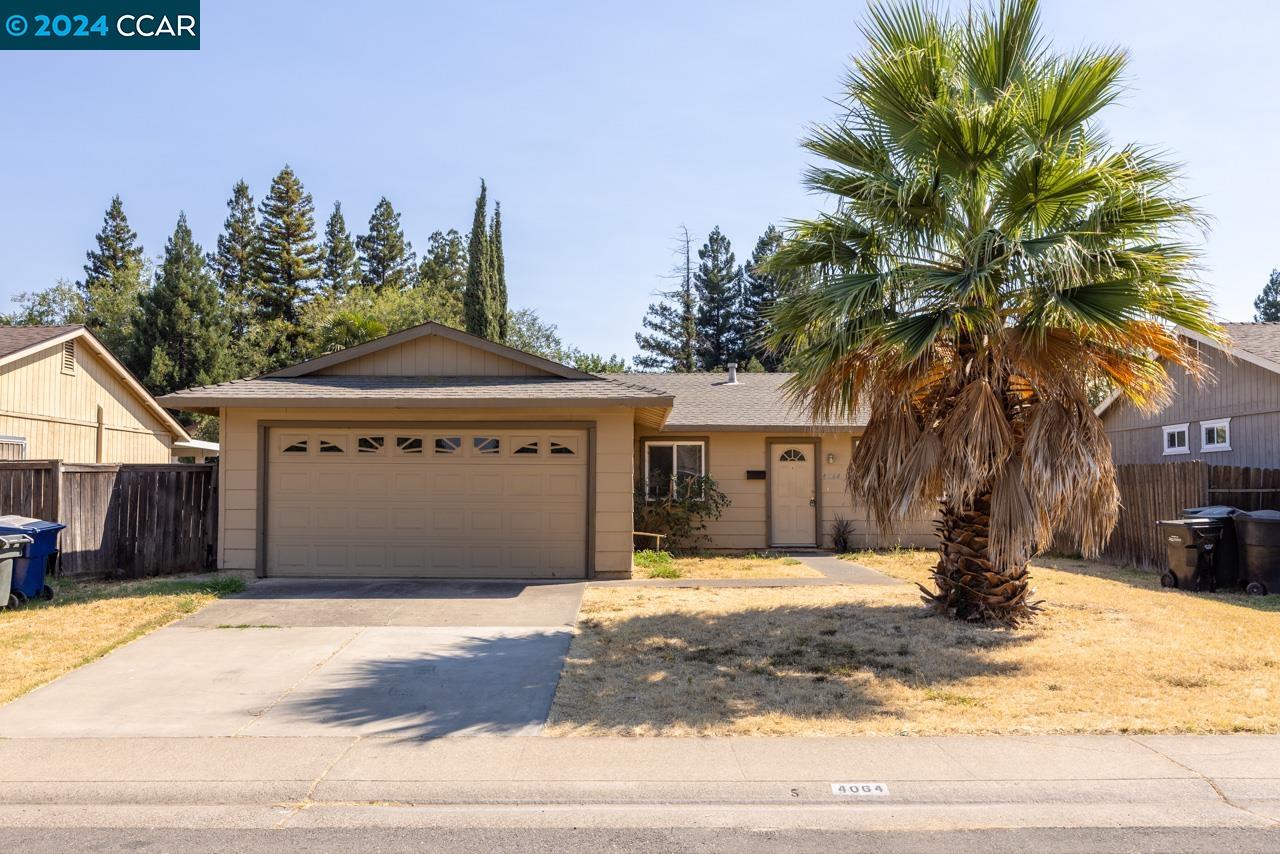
x=813 y=502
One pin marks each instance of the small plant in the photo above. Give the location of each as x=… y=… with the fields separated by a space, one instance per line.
x=841 y=534
x=681 y=516
x=658 y=564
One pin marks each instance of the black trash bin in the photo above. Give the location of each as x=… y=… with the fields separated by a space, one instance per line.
x=1226 y=558
x=1190 y=544
x=1258 y=534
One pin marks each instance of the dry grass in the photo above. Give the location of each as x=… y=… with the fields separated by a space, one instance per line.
x=1112 y=653
x=41 y=641
x=736 y=566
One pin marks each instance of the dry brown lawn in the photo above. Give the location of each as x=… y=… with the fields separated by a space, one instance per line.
x=41 y=641
x=734 y=566
x=1112 y=653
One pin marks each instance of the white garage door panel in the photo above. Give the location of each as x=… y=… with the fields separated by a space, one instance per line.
x=386 y=502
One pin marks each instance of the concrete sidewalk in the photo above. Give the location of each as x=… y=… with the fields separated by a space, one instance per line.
x=938 y=783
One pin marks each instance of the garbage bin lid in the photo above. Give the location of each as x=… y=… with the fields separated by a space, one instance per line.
x=1265 y=514
x=15 y=524
x=1213 y=511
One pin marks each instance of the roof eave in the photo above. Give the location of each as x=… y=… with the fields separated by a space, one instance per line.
x=213 y=403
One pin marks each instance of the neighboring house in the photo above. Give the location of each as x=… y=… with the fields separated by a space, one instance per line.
x=432 y=452
x=63 y=396
x=1231 y=418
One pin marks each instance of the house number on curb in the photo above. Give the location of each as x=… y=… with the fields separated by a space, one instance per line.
x=860 y=789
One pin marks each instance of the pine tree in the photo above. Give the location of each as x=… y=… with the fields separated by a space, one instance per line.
x=386 y=258
x=672 y=342
x=1267 y=305
x=341 y=265
x=477 y=298
x=181 y=331
x=114 y=277
x=290 y=261
x=234 y=264
x=443 y=270
x=718 y=281
x=761 y=289
x=498 y=273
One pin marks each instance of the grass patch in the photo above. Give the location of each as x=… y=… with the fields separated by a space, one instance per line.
x=87 y=619
x=650 y=564
x=1113 y=653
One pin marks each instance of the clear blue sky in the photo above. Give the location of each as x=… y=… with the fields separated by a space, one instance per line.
x=600 y=126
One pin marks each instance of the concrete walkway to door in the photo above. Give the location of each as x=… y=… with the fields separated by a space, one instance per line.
x=410 y=659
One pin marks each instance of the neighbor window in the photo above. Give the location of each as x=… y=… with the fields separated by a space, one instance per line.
x=1215 y=435
x=667 y=464
x=1175 y=439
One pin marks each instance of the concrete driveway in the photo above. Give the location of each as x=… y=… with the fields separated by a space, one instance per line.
x=414 y=659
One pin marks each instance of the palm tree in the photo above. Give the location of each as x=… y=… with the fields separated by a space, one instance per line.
x=347 y=328
x=989 y=257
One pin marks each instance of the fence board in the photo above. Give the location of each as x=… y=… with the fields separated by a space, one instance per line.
x=123 y=520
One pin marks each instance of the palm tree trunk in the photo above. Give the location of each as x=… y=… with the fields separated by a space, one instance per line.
x=969 y=588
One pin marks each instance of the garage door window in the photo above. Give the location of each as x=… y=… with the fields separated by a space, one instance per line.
x=486 y=445
x=564 y=447
x=409 y=444
x=370 y=444
x=528 y=447
x=328 y=446
x=448 y=444
x=293 y=446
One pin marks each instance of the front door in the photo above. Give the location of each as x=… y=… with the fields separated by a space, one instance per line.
x=792 y=500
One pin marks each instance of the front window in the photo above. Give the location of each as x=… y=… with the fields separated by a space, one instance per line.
x=668 y=464
x=1215 y=435
x=1175 y=439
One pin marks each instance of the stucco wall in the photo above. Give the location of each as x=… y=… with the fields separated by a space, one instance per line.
x=1246 y=393
x=57 y=413
x=744 y=526
x=238 y=470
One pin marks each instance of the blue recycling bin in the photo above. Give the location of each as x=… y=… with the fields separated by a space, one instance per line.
x=29 y=570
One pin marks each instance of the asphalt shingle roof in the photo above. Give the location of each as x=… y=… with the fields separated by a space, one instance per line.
x=709 y=401
x=346 y=390
x=14 y=339
x=1260 y=339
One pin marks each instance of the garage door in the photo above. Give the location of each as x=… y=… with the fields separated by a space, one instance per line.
x=482 y=503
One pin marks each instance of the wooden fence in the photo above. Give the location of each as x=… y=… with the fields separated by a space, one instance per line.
x=122 y=520
x=1149 y=493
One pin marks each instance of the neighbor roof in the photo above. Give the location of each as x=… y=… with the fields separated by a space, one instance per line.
x=329 y=391
x=708 y=401
x=17 y=341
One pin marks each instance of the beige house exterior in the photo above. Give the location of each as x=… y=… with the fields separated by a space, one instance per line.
x=63 y=396
x=434 y=453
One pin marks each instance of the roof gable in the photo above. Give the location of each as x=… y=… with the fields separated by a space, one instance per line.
x=430 y=350
x=17 y=342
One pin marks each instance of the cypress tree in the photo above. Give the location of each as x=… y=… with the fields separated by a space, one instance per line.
x=672 y=342
x=341 y=265
x=761 y=289
x=181 y=330
x=718 y=281
x=386 y=258
x=235 y=262
x=498 y=273
x=477 y=304
x=1267 y=305
x=290 y=261
x=114 y=277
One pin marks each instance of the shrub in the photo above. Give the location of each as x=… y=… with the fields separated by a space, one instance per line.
x=660 y=564
x=681 y=516
x=841 y=534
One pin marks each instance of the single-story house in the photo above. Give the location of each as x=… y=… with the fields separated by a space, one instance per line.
x=432 y=452
x=1231 y=418
x=63 y=396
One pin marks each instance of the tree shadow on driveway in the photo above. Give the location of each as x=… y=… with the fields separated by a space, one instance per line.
x=467 y=683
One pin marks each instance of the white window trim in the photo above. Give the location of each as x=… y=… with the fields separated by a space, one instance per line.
x=1174 y=428
x=673 y=445
x=1216 y=422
